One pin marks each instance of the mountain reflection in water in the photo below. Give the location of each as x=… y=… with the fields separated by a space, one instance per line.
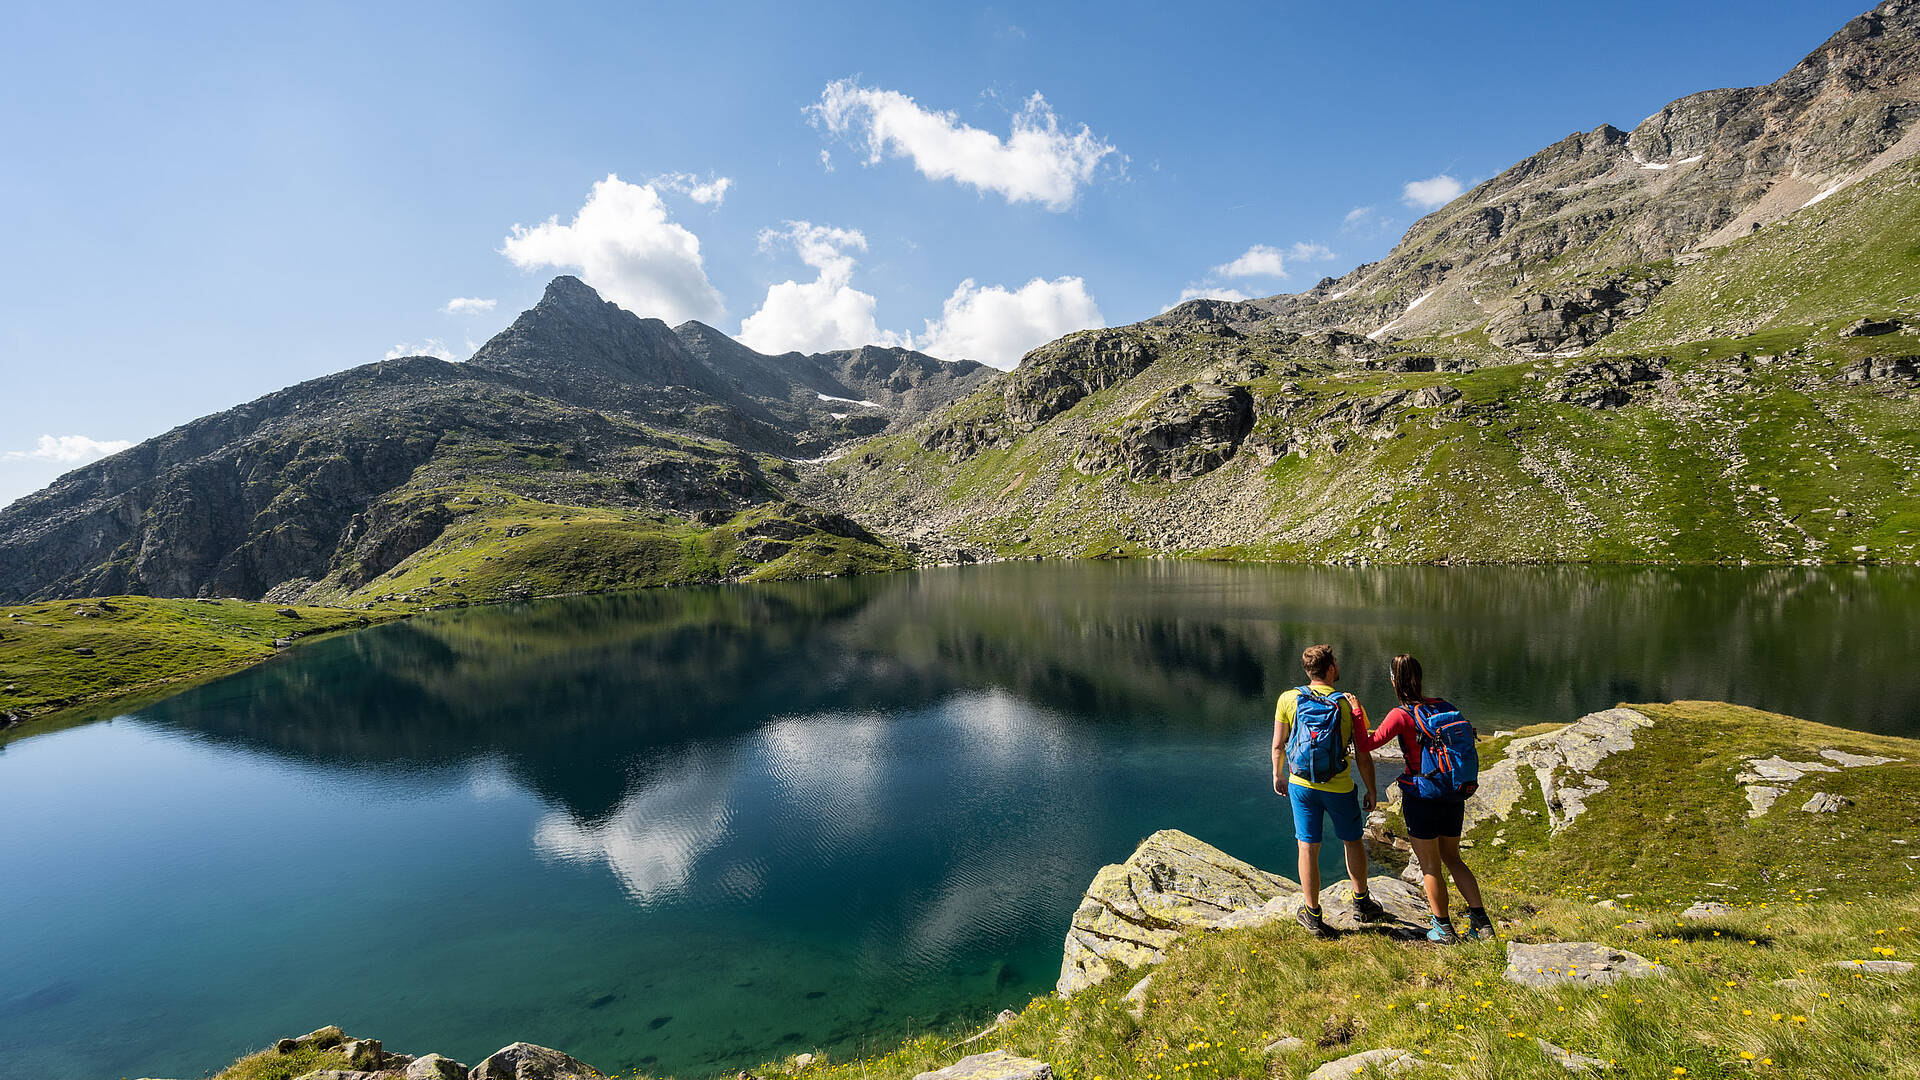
x=781 y=816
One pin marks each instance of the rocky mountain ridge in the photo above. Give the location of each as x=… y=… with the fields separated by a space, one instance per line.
x=343 y=477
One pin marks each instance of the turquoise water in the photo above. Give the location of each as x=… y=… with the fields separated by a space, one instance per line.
x=693 y=830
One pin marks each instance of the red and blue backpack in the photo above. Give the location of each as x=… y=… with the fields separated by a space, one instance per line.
x=1452 y=761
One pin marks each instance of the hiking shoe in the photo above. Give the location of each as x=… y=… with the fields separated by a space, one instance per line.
x=1367 y=909
x=1441 y=933
x=1480 y=929
x=1310 y=919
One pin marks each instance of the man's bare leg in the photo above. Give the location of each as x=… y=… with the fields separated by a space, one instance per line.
x=1310 y=874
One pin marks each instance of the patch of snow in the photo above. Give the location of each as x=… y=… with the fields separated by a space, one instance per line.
x=848 y=401
x=1421 y=299
x=1689 y=160
x=1337 y=295
x=822 y=460
x=1836 y=187
x=838 y=415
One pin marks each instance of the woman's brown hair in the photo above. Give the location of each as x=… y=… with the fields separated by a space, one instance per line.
x=1406 y=679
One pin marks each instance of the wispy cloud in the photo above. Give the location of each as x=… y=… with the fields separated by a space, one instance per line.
x=68 y=449
x=708 y=190
x=468 y=305
x=1434 y=191
x=1038 y=161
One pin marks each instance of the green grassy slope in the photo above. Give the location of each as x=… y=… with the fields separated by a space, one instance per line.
x=72 y=654
x=1854 y=254
x=1725 y=458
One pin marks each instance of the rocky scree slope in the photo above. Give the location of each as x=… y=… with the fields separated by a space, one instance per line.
x=1555 y=251
x=577 y=411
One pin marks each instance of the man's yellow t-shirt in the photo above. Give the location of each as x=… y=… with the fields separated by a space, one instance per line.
x=1283 y=714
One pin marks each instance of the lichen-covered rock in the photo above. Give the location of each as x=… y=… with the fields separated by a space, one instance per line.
x=1170 y=884
x=1556 y=963
x=1562 y=760
x=435 y=1067
x=994 y=1065
x=525 y=1061
x=1707 y=909
x=1387 y=1060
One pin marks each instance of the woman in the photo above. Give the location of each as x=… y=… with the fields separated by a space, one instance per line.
x=1432 y=824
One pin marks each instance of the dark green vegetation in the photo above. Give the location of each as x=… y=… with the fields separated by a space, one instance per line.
x=1747 y=993
x=76 y=655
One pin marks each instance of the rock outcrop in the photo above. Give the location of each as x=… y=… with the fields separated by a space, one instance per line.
x=1171 y=883
x=1562 y=761
x=994 y=1065
x=1190 y=431
x=1575 y=319
x=1558 y=963
x=525 y=1061
x=1767 y=779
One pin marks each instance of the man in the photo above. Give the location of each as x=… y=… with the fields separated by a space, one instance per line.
x=1314 y=729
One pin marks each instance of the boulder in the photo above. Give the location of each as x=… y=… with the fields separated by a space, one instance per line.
x=1871 y=328
x=1429 y=397
x=1586 y=963
x=994 y=1065
x=1604 y=384
x=1825 y=802
x=347 y=1074
x=1170 y=884
x=1571 y=319
x=525 y=1061
x=1878 y=967
x=1283 y=1044
x=435 y=1067
x=1707 y=909
x=325 y=1038
x=1387 y=1060
x=1567 y=1059
x=1895 y=370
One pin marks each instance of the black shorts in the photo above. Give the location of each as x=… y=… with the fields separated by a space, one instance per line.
x=1429 y=819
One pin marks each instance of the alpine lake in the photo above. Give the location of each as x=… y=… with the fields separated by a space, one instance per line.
x=694 y=830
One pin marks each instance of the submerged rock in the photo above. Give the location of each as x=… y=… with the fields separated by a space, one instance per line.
x=1170 y=884
x=994 y=1065
x=525 y=1061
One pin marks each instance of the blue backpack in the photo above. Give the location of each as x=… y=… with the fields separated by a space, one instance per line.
x=1452 y=770
x=1315 y=750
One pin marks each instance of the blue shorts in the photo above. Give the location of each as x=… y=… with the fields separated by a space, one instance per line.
x=1310 y=803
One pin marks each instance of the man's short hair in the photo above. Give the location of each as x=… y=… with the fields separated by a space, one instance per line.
x=1318 y=660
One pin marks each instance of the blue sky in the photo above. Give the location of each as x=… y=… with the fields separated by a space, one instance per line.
x=205 y=204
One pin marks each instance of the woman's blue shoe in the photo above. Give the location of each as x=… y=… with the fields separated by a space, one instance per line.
x=1442 y=932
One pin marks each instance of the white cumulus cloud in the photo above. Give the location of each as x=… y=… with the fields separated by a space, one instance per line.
x=1264 y=260
x=996 y=326
x=1037 y=162
x=1432 y=192
x=429 y=347
x=468 y=305
x=1209 y=292
x=818 y=315
x=68 y=449
x=709 y=190
x=624 y=243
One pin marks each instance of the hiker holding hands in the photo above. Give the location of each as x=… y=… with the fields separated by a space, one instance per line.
x=1442 y=770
